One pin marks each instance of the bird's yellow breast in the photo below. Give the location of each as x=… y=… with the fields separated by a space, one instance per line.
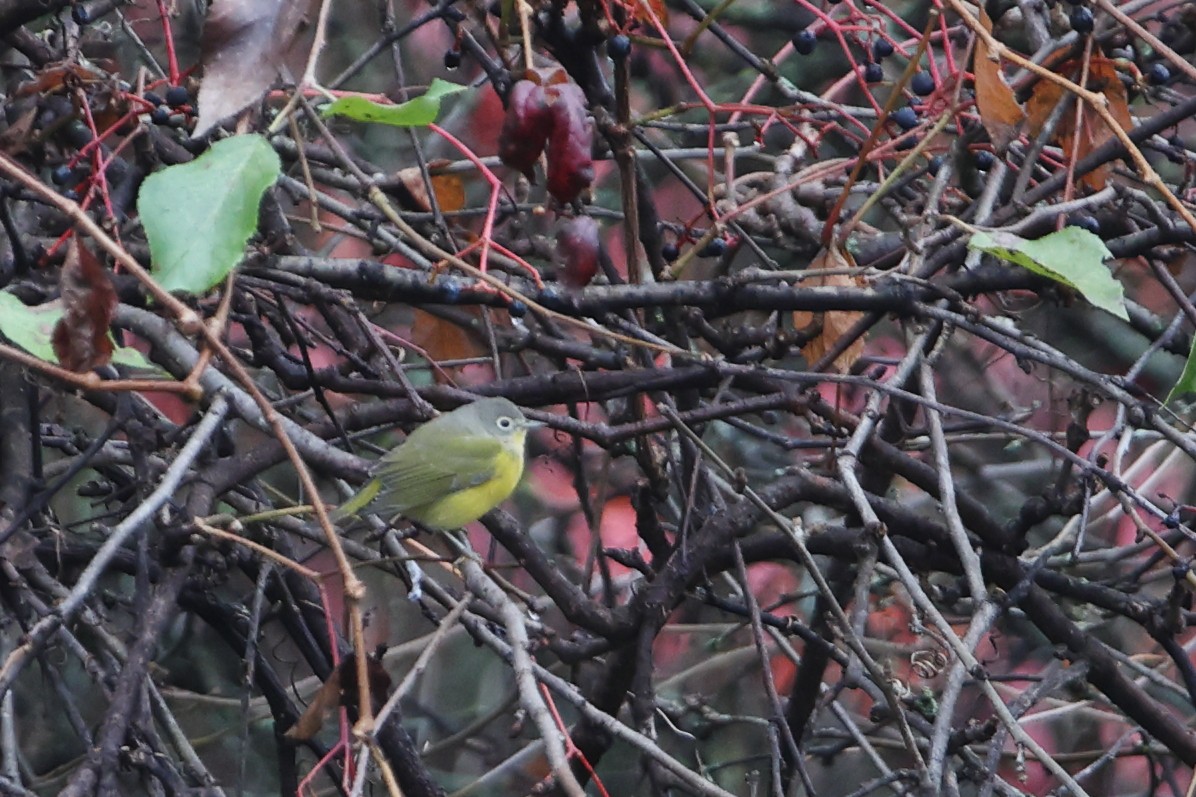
x=465 y=506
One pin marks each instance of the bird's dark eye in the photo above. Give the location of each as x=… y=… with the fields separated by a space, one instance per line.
x=506 y=424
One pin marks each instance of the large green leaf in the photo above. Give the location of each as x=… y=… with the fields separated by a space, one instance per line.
x=418 y=112
x=1072 y=256
x=198 y=216
x=31 y=328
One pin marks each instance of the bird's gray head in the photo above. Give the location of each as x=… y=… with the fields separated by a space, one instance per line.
x=500 y=415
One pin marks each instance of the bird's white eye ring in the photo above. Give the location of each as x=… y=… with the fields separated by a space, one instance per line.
x=506 y=424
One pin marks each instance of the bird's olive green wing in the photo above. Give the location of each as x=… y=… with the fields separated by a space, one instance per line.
x=417 y=474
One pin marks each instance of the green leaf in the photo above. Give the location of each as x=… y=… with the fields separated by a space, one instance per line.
x=1072 y=256
x=1187 y=380
x=418 y=112
x=198 y=216
x=31 y=329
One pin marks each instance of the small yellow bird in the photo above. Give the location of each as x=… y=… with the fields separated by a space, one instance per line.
x=451 y=470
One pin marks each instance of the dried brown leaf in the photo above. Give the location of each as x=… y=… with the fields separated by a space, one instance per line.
x=443 y=340
x=835 y=323
x=80 y=338
x=17 y=136
x=322 y=704
x=1091 y=131
x=341 y=690
x=59 y=77
x=245 y=44
x=1001 y=115
x=448 y=188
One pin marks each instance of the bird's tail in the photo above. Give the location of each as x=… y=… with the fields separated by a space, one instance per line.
x=358 y=502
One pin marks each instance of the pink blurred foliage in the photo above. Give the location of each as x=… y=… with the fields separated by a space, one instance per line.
x=616 y=529
x=552 y=485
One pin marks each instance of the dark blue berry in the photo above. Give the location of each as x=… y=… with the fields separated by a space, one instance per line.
x=551 y=297
x=922 y=84
x=61 y=174
x=934 y=165
x=177 y=96
x=984 y=160
x=517 y=309
x=450 y=291
x=905 y=117
x=805 y=42
x=452 y=58
x=874 y=73
x=619 y=47
x=670 y=252
x=881 y=48
x=1172 y=522
x=1085 y=222
x=160 y=115
x=81 y=14
x=1158 y=74
x=152 y=98
x=715 y=248
x=1081 y=20
x=909 y=142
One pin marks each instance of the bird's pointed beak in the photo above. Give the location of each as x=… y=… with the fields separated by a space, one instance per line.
x=529 y=423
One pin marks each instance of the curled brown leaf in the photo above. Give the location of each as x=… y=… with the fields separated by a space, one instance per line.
x=81 y=339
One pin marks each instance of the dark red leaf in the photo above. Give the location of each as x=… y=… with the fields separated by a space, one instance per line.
x=525 y=127
x=570 y=144
x=80 y=339
x=578 y=243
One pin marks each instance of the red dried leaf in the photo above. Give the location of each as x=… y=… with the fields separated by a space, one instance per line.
x=80 y=338
x=578 y=243
x=525 y=127
x=60 y=76
x=245 y=43
x=571 y=143
x=547 y=75
x=659 y=10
